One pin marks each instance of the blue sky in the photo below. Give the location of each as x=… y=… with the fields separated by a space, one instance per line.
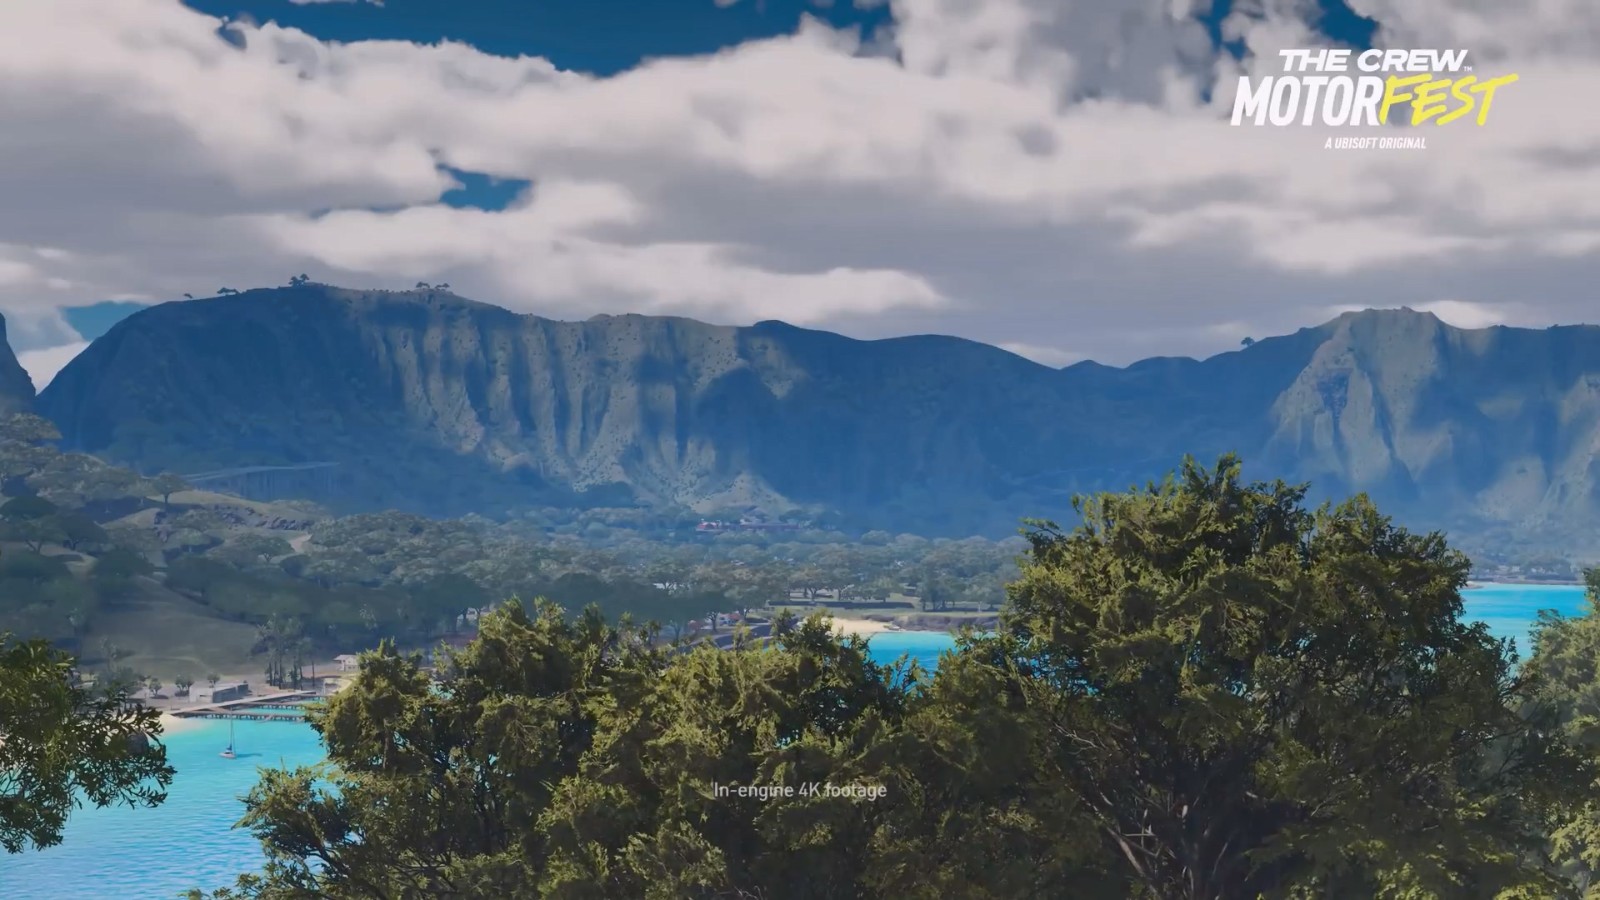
x=1056 y=177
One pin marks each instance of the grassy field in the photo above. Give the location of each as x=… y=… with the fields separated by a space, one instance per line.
x=167 y=635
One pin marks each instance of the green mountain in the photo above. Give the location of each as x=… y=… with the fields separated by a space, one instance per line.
x=429 y=402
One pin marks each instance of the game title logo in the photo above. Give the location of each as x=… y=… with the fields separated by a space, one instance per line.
x=1439 y=92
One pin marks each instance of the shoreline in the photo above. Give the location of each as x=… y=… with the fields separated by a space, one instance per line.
x=1475 y=584
x=864 y=627
x=171 y=724
x=917 y=623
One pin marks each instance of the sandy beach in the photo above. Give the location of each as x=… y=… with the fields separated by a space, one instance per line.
x=171 y=724
x=862 y=626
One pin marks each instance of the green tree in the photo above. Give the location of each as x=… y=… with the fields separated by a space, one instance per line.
x=1249 y=698
x=647 y=815
x=784 y=622
x=61 y=744
x=446 y=598
x=165 y=485
x=1565 y=666
x=32 y=520
x=80 y=531
x=436 y=792
x=116 y=571
x=23 y=437
x=247 y=550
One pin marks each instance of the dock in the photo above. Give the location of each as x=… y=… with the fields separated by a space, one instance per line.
x=283 y=706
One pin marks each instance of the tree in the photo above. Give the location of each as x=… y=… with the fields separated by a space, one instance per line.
x=784 y=622
x=115 y=573
x=79 y=531
x=446 y=598
x=1247 y=342
x=60 y=742
x=31 y=520
x=153 y=685
x=1563 y=667
x=247 y=550
x=120 y=562
x=281 y=638
x=213 y=678
x=434 y=793
x=224 y=291
x=1247 y=696
x=166 y=484
x=188 y=296
x=299 y=280
x=644 y=815
x=182 y=684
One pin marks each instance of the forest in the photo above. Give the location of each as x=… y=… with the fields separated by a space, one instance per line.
x=1204 y=690
x=85 y=545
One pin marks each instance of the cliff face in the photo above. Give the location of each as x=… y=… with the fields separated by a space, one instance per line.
x=438 y=404
x=16 y=388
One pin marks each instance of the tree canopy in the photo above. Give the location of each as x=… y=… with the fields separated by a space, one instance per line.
x=1204 y=690
x=62 y=744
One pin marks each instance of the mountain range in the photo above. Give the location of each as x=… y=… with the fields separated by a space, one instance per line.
x=430 y=402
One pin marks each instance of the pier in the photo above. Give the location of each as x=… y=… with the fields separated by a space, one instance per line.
x=284 y=706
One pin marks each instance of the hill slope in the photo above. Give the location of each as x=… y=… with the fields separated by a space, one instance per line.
x=438 y=404
x=16 y=388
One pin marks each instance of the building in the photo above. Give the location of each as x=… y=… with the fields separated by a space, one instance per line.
x=221 y=692
x=348 y=662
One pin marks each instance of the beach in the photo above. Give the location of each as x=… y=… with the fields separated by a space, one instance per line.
x=862 y=626
x=171 y=724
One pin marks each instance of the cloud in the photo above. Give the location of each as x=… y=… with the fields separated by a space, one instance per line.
x=1033 y=173
x=1048 y=356
x=42 y=365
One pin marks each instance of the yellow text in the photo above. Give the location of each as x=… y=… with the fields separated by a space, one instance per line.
x=1429 y=101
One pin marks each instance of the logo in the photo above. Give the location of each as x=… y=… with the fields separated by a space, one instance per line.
x=1442 y=89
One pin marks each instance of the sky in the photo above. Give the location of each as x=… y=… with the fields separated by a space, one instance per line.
x=1057 y=177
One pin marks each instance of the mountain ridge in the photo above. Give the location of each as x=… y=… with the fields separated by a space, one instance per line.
x=16 y=386
x=440 y=404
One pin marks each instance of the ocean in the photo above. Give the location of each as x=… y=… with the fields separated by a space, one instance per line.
x=189 y=841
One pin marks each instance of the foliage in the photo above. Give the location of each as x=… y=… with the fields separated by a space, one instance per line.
x=1250 y=698
x=436 y=792
x=1204 y=691
x=61 y=744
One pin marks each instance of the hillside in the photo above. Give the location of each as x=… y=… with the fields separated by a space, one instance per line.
x=16 y=388
x=434 y=403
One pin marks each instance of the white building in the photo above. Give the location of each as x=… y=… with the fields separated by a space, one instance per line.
x=348 y=662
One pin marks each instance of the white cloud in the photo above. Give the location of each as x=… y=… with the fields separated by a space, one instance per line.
x=42 y=365
x=1047 y=356
x=1035 y=173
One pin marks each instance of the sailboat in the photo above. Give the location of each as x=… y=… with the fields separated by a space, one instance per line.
x=228 y=753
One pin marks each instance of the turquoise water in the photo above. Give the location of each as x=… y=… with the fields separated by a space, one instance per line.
x=189 y=842
x=1510 y=609
x=922 y=646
